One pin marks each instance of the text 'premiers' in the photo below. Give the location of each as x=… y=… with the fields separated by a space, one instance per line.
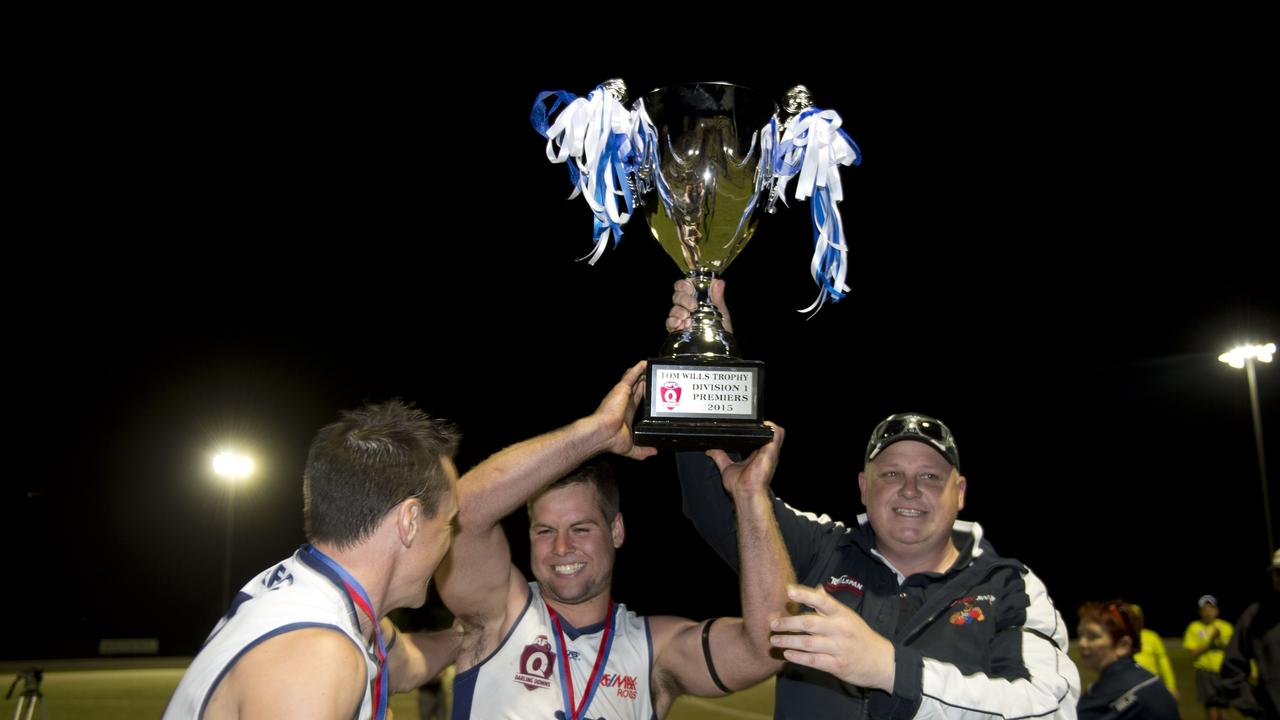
x=683 y=391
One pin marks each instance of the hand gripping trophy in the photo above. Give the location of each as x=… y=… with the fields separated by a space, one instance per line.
x=697 y=159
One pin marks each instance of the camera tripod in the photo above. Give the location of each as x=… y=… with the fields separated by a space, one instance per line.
x=31 y=695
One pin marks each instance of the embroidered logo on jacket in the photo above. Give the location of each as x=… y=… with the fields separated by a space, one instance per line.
x=968 y=616
x=844 y=583
x=971 y=613
x=536 y=663
x=626 y=684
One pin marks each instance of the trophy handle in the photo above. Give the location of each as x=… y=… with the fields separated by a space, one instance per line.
x=706 y=336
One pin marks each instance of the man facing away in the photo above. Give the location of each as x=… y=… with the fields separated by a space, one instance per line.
x=1256 y=640
x=303 y=638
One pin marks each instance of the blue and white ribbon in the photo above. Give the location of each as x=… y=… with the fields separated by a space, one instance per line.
x=813 y=147
x=600 y=136
x=609 y=144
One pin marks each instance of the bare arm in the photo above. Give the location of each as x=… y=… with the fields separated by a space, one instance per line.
x=477 y=580
x=739 y=647
x=308 y=673
x=748 y=656
x=415 y=658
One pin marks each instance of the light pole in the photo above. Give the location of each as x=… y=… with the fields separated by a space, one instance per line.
x=233 y=468
x=1246 y=356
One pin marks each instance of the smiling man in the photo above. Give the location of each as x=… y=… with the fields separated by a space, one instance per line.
x=560 y=647
x=915 y=612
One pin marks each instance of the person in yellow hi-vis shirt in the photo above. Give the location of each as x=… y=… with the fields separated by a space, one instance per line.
x=1153 y=656
x=1206 y=639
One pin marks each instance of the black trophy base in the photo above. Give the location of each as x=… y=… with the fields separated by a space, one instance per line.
x=689 y=435
x=716 y=406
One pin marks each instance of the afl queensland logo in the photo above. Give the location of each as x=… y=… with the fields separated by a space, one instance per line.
x=669 y=394
x=536 y=663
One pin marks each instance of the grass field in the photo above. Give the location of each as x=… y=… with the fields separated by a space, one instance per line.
x=125 y=690
x=139 y=688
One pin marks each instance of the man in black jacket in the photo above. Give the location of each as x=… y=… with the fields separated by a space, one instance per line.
x=1257 y=638
x=915 y=613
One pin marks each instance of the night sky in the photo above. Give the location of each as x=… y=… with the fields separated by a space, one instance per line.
x=1048 y=253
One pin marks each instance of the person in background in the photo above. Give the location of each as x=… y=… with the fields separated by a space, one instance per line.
x=1205 y=639
x=1152 y=656
x=1256 y=640
x=1109 y=635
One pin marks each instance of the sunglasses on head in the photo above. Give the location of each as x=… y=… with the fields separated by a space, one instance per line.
x=1122 y=618
x=912 y=425
x=905 y=426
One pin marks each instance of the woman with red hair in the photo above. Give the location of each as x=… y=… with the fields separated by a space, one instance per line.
x=1109 y=634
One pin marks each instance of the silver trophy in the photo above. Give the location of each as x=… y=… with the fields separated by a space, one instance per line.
x=700 y=161
x=701 y=195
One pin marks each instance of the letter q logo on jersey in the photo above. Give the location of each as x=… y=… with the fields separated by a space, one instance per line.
x=669 y=394
x=536 y=663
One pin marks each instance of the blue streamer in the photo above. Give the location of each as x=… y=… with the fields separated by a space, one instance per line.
x=541 y=113
x=790 y=155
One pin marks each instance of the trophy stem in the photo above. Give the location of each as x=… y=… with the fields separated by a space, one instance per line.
x=706 y=336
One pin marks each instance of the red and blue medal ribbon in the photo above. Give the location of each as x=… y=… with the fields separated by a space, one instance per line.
x=566 y=677
x=360 y=599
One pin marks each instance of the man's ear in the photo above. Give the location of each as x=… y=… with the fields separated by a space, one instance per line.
x=408 y=516
x=618 y=530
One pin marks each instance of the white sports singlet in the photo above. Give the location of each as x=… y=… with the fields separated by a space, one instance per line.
x=300 y=592
x=523 y=677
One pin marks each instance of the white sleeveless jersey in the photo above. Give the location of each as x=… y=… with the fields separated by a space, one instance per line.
x=300 y=592
x=521 y=679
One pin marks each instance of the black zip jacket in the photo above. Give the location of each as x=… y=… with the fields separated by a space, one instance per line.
x=1257 y=638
